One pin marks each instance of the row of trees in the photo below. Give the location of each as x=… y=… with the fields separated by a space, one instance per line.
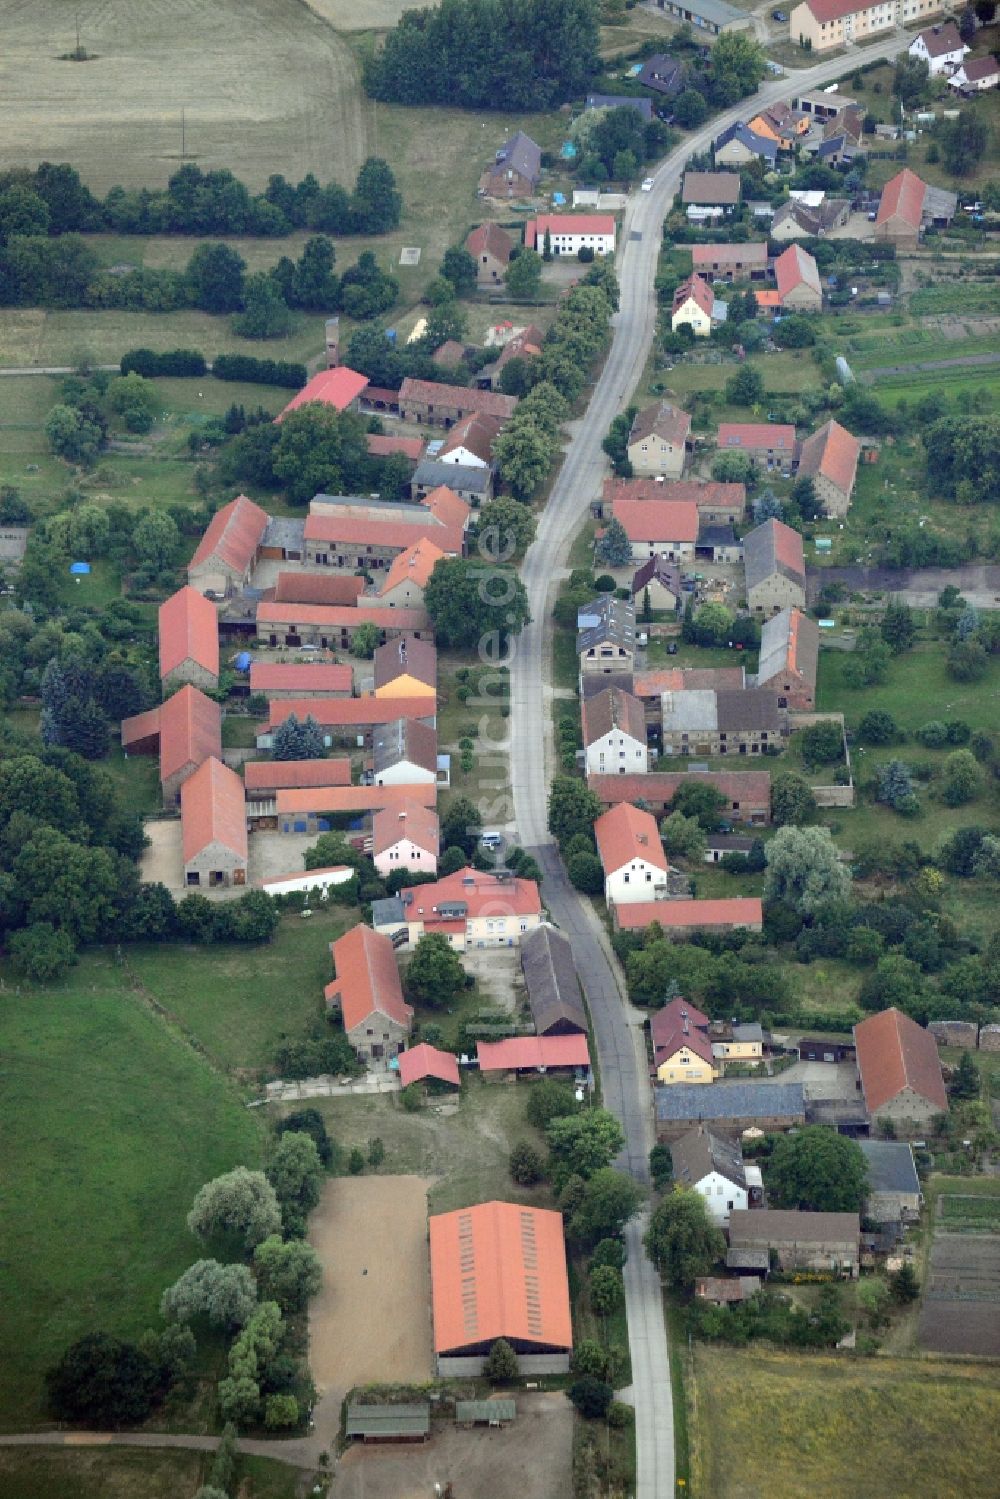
x=53 y=200
x=36 y=271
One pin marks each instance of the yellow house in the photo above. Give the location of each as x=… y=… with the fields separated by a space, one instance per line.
x=693 y=303
x=746 y=1044
x=685 y=1065
x=682 y=1052
x=406 y=667
x=838 y=23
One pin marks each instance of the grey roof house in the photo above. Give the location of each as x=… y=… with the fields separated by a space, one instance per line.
x=740 y=134
x=894 y=1194
x=797 y=1240
x=663 y=74
x=515 y=170
x=551 y=980
x=644 y=107
x=729 y=1107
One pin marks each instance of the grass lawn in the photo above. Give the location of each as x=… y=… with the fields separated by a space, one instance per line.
x=817 y=1427
x=110 y=1124
x=123 y=1472
x=918 y=689
x=240 y=1002
x=464 y=1147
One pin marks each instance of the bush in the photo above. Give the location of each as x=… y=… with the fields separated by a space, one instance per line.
x=610 y=1252
x=525 y=1165
x=356 y=1161
x=103 y=1381
x=549 y=1100
x=250 y=371
x=592 y=1397
x=175 y=362
x=501 y=1365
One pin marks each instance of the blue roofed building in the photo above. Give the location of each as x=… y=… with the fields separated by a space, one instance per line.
x=728 y=1108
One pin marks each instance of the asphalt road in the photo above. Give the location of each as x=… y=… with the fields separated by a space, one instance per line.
x=617 y=1034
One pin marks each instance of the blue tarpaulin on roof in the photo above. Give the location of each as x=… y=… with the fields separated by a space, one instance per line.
x=243 y=661
x=79 y=569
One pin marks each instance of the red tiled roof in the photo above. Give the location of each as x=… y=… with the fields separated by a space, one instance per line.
x=687 y=679
x=233 y=535
x=767 y=296
x=687 y=915
x=406 y=819
x=566 y=223
x=698 y=289
x=833 y=452
x=521 y=1053
x=304 y=678
x=498 y=1270
x=449 y=354
x=332 y=589
x=658 y=520
x=661 y=420
x=348 y=531
x=836 y=10
x=190 y=731
x=423 y=1061
x=902 y=197
x=140 y=727
x=415 y=565
x=978 y=68
x=703 y=257
x=490 y=239
x=337 y=388
x=446 y=506
x=894 y=1053
x=270 y=612
x=274 y=775
x=796 y=267
x=752 y=787
x=482 y=894
x=678 y=1024
x=367 y=981
x=353 y=712
x=430 y=392
x=769 y=436
x=707 y=494
x=625 y=833
x=787 y=546
x=213 y=810
x=383 y=445
x=188 y=631
x=474 y=432
x=331 y=798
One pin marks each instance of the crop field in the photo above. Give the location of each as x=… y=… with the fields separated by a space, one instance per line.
x=965 y=1211
x=957 y=296
x=265 y=86
x=110 y=1123
x=361 y=15
x=875 y=1429
x=123 y=1472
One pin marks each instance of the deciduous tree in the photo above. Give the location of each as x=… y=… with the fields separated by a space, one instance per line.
x=818 y=1170
x=682 y=1241
x=240 y=1203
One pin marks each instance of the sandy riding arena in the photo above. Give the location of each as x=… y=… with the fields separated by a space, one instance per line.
x=372 y=1320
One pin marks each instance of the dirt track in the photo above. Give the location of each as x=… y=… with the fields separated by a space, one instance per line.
x=371 y=1321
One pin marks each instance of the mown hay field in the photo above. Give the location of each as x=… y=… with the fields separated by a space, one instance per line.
x=816 y=1427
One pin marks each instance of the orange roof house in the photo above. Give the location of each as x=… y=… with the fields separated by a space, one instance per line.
x=186 y=730
x=213 y=826
x=298 y=801
x=423 y=1063
x=900 y=1071
x=367 y=989
x=797 y=275
x=830 y=459
x=340 y=388
x=625 y=834
x=301 y=678
x=654 y=526
x=470 y=907
x=189 y=639
x=386 y=445
x=405 y=818
x=328 y=531
x=900 y=209
x=498 y=1270
x=409 y=574
x=355 y=713
x=224 y=558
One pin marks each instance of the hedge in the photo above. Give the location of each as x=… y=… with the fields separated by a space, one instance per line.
x=173 y=362
x=259 y=371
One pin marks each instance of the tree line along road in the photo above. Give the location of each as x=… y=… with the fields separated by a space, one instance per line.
x=617 y=1031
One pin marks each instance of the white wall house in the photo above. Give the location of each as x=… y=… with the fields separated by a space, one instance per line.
x=614 y=734
x=571 y=232
x=406 y=837
x=941 y=48
x=635 y=866
x=714 y=1167
x=617 y=753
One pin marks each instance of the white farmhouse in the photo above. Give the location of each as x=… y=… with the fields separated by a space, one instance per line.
x=714 y=1167
x=569 y=233
x=635 y=866
x=614 y=734
x=940 y=47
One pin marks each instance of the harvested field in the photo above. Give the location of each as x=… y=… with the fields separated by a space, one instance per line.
x=371 y=1322
x=871 y=1429
x=530 y=1460
x=361 y=15
x=265 y=86
x=961 y=1303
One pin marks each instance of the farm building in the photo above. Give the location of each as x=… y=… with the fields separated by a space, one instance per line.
x=350 y=720
x=405 y=836
x=748 y=792
x=340 y=388
x=281 y=679
x=679 y=918
x=333 y=591
x=711 y=16
x=659 y=528
x=485 y=1412
x=800 y=1241
x=830 y=459
x=331 y=628
x=789 y=656
x=188 y=632
x=717 y=503
x=701 y=722
x=406 y=667
x=900 y=1072
x=309 y=809
x=770 y=444
x=408 y=575
x=614 y=733
x=376 y=1019
x=227 y=554
x=186 y=730
x=385 y=445
x=498 y=1270
x=436 y=405
x=728 y=1108
x=797 y=275
x=370 y=543
x=775 y=568
x=389 y=1423
x=740 y=262
x=522 y=1055
x=551 y=980
x=490 y=248
x=213 y=827
x=471 y=482
x=894 y=1194
x=424 y=1064
x=263 y=778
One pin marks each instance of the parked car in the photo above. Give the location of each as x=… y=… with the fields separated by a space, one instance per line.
x=779 y=15
x=647 y=184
